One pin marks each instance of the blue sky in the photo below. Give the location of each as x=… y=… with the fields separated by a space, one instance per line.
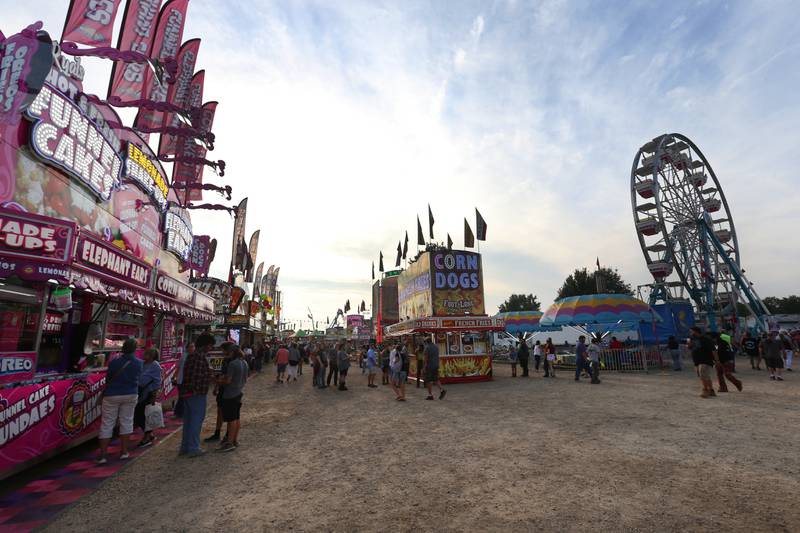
x=342 y=120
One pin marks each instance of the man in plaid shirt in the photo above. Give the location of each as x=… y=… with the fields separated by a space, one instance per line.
x=196 y=379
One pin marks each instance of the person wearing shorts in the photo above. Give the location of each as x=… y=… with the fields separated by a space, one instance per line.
x=772 y=353
x=402 y=374
x=119 y=399
x=704 y=357
x=281 y=362
x=432 y=369
x=344 y=365
x=234 y=380
x=372 y=366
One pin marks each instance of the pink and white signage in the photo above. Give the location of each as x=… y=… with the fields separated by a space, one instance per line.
x=109 y=260
x=90 y=22
x=26 y=235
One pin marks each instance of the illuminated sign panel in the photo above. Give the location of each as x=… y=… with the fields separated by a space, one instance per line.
x=65 y=137
x=140 y=169
x=178 y=229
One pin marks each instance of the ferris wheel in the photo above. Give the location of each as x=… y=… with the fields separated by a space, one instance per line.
x=686 y=231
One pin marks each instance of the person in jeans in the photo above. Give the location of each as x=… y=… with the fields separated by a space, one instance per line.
x=724 y=366
x=119 y=399
x=149 y=387
x=704 y=357
x=513 y=357
x=234 y=380
x=196 y=380
x=333 y=367
x=581 y=359
x=227 y=350
x=675 y=353
x=432 y=369
x=420 y=353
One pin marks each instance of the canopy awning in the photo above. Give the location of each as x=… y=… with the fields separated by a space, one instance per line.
x=441 y=324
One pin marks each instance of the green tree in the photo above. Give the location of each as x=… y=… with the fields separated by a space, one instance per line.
x=583 y=282
x=520 y=302
x=790 y=305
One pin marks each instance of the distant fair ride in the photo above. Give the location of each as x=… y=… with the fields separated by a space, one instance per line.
x=687 y=234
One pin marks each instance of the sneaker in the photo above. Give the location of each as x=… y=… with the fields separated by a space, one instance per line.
x=212 y=438
x=789 y=370
x=712 y=393
x=441 y=394
x=102 y=460
x=779 y=378
x=124 y=456
x=196 y=453
x=772 y=378
x=145 y=443
x=429 y=398
x=226 y=447
x=739 y=386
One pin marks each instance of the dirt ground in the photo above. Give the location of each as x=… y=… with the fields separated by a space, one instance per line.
x=636 y=453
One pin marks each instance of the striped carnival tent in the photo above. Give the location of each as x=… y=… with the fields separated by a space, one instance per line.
x=524 y=322
x=591 y=309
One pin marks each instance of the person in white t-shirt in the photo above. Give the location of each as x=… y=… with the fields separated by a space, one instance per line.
x=537 y=355
x=594 y=359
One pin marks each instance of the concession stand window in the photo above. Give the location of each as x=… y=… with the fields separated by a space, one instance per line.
x=20 y=307
x=123 y=321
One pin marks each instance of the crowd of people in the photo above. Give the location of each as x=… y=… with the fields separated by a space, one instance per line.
x=133 y=384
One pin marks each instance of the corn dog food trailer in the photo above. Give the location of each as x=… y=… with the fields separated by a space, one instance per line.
x=440 y=296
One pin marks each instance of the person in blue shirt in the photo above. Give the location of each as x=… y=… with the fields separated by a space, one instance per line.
x=372 y=366
x=119 y=399
x=581 y=359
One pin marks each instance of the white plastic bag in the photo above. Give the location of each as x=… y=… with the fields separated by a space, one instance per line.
x=153 y=417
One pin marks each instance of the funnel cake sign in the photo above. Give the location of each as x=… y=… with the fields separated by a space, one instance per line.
x=64 y=136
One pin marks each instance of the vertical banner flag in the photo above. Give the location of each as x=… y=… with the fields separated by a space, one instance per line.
x=187 y=172
x=253 y=250
x=399 y=254
x=238 y=233
x=405 y=246
x=469 y=238
x=430 y=221
x=169 y=33
x=449 y=242
x=25 y=62
x=420 y=235
x=274 y=287
x=380 y=262
x=136 y=35
x=179 y=94
x=200 y=254
x=90 y=22
x=373 y=270
x=257 y=282
x=480 y=226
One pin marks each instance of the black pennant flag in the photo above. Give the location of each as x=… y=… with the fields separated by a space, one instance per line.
x=449 y=242
x=469 y=238
x=399 y=254
x=405 y=246
x=430 y=222
x=380 y=263
x=420 y=236
x=347 y=306
x=373 y=270
x=480 y=226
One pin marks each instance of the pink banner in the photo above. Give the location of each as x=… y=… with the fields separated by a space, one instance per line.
x=193 y=173
x=199 y=257
x=138 y=29
x=37 y=419
x=169 y=33
x=25 y=235
x=25 y=61
x=16 y=366
x=179 y=94
x=90 y=22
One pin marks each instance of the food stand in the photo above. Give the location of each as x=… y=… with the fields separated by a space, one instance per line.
x=441 y=297
x=93 y=250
